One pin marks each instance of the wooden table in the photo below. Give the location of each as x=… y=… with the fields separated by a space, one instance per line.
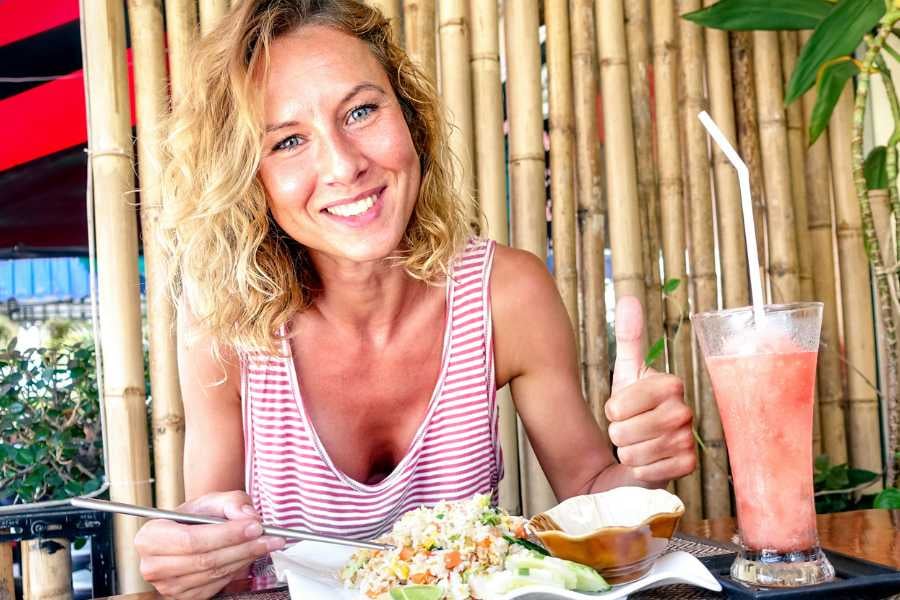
x=872 y=535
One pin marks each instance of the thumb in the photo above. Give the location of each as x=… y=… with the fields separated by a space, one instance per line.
x=630 y=345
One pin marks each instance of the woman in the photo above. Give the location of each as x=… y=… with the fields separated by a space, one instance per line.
x=342 y=333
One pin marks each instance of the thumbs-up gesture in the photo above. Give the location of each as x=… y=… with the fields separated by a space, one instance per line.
x=649 y=422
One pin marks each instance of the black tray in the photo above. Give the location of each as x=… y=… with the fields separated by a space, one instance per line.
x=855 y=579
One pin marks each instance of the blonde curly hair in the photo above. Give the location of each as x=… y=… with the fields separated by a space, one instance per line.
x=241 y=275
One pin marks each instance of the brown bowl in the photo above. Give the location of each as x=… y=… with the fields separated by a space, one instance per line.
x=620 y=533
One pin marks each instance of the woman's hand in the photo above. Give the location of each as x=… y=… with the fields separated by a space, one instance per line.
x=649 y=421
x=196 y=561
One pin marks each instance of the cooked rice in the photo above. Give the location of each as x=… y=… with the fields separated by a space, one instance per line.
x=445 y=545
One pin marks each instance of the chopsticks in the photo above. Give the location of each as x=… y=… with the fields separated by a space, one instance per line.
x=155 y=513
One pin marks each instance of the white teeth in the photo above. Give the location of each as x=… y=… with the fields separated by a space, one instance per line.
x=353 y=209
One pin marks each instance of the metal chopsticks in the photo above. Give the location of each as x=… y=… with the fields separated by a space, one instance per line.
x=155 y=513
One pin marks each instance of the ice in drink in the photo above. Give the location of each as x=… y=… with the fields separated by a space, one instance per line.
x=765 y=402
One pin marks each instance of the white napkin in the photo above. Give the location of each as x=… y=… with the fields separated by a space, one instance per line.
x=312 y=572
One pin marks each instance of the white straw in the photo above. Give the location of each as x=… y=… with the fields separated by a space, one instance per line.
x=749 y=230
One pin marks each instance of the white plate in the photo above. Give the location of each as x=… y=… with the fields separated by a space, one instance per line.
x=312 y=572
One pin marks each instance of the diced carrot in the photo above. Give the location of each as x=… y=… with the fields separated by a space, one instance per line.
x=452 y=559
x=520 y=532
x=484 y=543
x=419 y=578
x=406 y=553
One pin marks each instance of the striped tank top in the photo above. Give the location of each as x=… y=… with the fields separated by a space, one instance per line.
x=454 y=454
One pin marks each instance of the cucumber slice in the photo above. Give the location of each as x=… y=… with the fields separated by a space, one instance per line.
x=417 y=592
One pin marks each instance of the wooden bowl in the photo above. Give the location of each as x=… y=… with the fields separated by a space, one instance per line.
x=620 y=533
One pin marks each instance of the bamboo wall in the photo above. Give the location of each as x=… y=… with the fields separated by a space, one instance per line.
x=630 y=170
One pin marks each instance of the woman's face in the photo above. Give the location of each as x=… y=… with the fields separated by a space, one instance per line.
x=339 y=165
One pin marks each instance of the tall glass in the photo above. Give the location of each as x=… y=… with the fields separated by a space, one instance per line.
x=763 y=376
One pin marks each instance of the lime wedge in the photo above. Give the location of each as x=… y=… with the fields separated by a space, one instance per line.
x=417 y=592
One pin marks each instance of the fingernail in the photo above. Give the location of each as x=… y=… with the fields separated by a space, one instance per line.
x=249 y=510
x=274 y=543
x=253 y=530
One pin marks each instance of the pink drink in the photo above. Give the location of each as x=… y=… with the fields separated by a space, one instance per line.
x=765 y=402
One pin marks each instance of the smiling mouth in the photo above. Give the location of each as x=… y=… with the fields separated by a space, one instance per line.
x=354 y=208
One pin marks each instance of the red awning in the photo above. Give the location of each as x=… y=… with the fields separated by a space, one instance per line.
x=42 y=112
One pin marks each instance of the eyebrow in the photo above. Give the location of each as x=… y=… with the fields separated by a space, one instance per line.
x=354 y=91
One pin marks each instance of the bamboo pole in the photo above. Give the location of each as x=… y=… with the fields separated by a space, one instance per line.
x=830 y=387
x=487 y=94
x=526 y=166
x=748 y=134
x=210 y=13
x=151 y=98
x=783 y=271
x=119 y=299
x=859 y=334
x=7 y=582
x=797 y=151
x=181 y=31
x=732 y=248
x=562 y=153
x=490 y=166
x=393 y=12
x=46 y=569
x=418 y=28
x=456 y=90
x=636 y=32
x=624 y=213
x=671 y=201
x=591 y=208
x=703 y=267
x=735 y=286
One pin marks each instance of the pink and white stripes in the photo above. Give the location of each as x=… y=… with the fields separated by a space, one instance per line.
x=455 y=453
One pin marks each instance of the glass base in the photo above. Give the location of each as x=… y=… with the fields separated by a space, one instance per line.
x=774 y=569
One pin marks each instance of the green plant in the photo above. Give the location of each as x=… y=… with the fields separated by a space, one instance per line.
x=50 y=441
x=840 y=487
x=826 y=62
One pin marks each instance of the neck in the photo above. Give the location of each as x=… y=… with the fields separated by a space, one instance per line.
x=365 y=299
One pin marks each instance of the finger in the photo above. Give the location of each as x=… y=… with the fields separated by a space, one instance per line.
x=651 y=451
x=666 y=469
x=651 y=392
x=179 y=539
x=156 y=568
x=667 y=417
x=194 y=581
x=630 y=343
x=204 y=591
x=229 y=505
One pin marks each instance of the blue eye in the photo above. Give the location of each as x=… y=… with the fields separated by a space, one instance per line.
x=287 y=143
x=361 y=113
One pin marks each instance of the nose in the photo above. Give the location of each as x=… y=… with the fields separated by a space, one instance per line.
x=340 y=159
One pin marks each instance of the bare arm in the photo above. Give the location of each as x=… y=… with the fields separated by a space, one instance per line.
x=214 y=438
x=189 y=562
x=535 y=353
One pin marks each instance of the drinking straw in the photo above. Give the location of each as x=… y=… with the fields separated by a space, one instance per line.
x=743 y=174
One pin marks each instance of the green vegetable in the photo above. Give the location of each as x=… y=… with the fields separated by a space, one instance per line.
x=490 y=517
x=417 y=592
x=530 y=545
x=529 y=561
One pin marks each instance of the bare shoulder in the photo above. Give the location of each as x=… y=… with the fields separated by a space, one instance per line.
x=529 y=318
x=519 y=280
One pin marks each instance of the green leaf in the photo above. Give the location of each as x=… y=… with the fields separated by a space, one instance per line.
x=530 y=545
x=747 y=15
x=821 y=463
x=655 y=351
x=837 y=35
x=79 y=542
x=24 y=456
x=876 y=169
x=857 y=477
x=888 y=498
x=837 y=478
x=834 y=78
x=670 y=286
